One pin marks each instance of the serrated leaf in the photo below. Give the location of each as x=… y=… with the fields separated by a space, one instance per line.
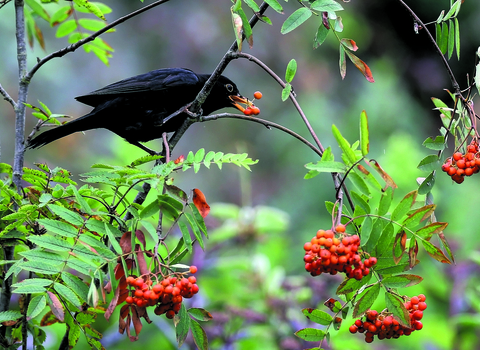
x=200 y=314
x=435 y=252
x=401 y=281
x=359 y=183
x=91 y=7
x=59 y=227
x=395 y=305
x=182 y=325
x=40 y=267
x=318 y=316
x=77 y=285
x=418 y=216
x=199 y=335
x=51 y=242
x=67 y=215
x=36 y=306
x=185 y=234
x=295 y=19
x=9 y=315
x=366 y=301
x=351 y=284
x=195 y=229
x=404 y=206
x=310 y=334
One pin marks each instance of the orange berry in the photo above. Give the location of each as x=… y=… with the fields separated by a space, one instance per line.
x=255 y=110
x=193 y=269
x=457 y=156
x=258 y=95
x=340 y=228
x=469 y=171
x=129 y=300
x=248 y=111
x=461 y=163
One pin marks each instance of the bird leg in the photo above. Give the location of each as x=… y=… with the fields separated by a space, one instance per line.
x=145 y=148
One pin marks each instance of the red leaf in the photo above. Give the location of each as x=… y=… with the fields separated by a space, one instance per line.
x=325 y=22
x=362 y=66
x=48 y=319
x=126 y=242
x=142 y=263
x=387 y=178
x=56 y=306
x=200 y=202
x=141 y=238
x=401 y=238
x=349 y=44
x=113 y=304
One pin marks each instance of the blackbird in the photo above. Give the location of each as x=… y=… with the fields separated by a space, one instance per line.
x=135 y=108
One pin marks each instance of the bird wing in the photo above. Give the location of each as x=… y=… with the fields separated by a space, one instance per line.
x=155 y=80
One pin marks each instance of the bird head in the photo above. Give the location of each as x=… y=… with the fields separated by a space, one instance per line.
x=225 y=94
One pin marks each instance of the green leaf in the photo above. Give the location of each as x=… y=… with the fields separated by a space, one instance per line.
x=404 y=206
x=66 y=28
x=275 y=5
x=41 y=255
x=374 y=235
x=457 y=37
x=364 y=138
x=199 y=335
x=51 y=242
x=112 y=240
x=40 y=267
x=291 y=70
x=440 y=17
x=318 y=316
x=453 y=10
x=91 y=7
x=359 y=183
x=437 y=145
x=326 y=6
x=286 y=92
x=59 y=227
x=296 y=19
x=32 y=282
x=67 y=215
x=444 y=38
x=186 y=235
x=366 y=301
x=253 y=5
x=200 y=314
x=91 y=24
x=320 y=36
x=344 y=145
x=350 y=285
x=401 y=281
x=359 y=201
x=38 y=9
x=9 y=315
x=451 y=38
x=327 y=167
x=385 y=202
x=435 y=252
x=414 y=219
x=310 y=334
x=195 y=229
x=182 y=325
x=395 y=305
x=77 y=285
x=427 y=184
x=36 y=306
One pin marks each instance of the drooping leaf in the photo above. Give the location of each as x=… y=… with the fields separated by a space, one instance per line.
x=362 y=66
x=395 y=305
x=200 y=202
x=199 y=335
x=367 y=300
x=401 y=281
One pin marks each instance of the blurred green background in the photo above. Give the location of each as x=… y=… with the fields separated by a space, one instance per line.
x=251 y=275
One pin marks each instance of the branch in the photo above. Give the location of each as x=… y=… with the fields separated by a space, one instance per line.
x=73 y=47
x=267 y=123
x=7 y=97
x=444 y=60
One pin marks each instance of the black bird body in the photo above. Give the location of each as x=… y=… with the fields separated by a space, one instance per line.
x=134 y=108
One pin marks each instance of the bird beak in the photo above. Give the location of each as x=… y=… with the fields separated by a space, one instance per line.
x=236 y=100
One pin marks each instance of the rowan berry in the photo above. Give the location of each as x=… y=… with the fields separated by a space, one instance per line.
x=340 y=228
x=258 y=95
x=193 y=269
x=457 y=156
x=248 y=111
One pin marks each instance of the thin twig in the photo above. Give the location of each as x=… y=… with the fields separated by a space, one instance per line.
x=7 y=97
x=267 y=123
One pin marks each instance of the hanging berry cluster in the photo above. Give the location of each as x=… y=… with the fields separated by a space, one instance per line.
x=167 y=294
x=459 y=165
x=326 y=253
x=384 y=326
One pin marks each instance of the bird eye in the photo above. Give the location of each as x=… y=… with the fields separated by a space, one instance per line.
x=229 y=87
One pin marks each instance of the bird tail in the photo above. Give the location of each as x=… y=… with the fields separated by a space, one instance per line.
x=80 y=124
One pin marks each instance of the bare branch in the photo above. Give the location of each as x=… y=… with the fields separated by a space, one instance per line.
x=7 y=97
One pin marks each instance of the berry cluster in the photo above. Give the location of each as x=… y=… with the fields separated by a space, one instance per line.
x=384 y=326
x=167 y=294
x=326 y=253
x=253 y=109
x=458 y=166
